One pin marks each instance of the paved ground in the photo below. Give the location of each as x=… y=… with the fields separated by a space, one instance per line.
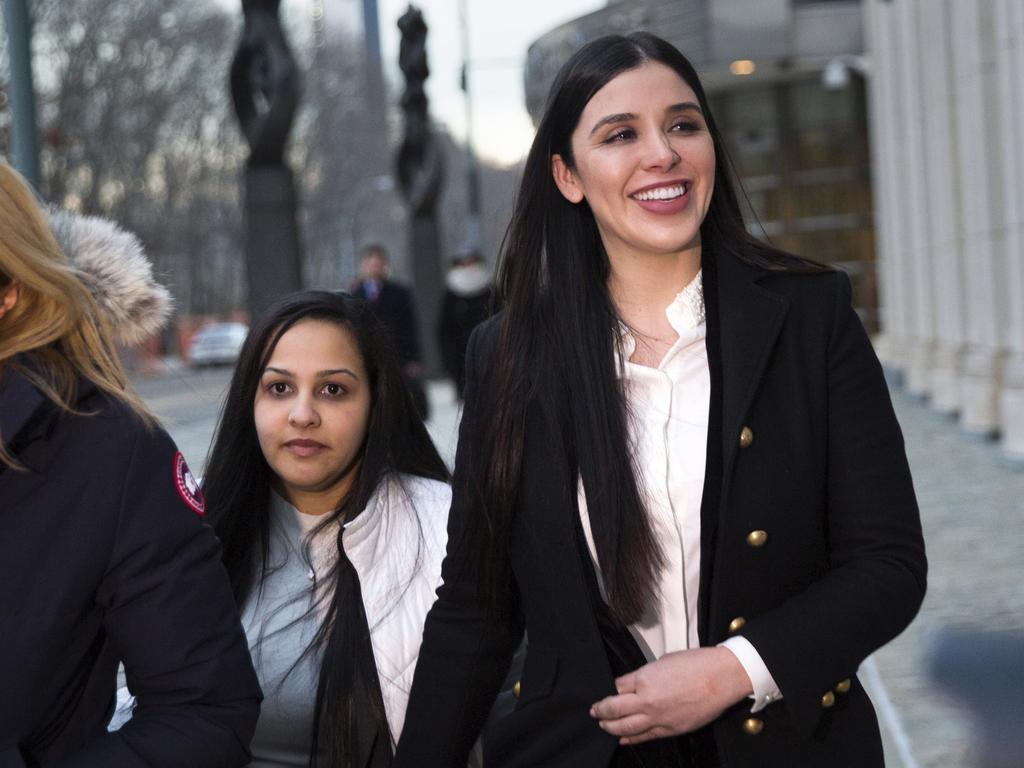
x=972 y=510
x=971 y=507
x=188 y=404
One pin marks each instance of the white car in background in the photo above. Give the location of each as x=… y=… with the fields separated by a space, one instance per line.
x=217 y=344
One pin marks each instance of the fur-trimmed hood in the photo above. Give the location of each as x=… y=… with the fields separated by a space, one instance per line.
x=116 y=271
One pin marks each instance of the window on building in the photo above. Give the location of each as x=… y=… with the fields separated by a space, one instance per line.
x=801 y=153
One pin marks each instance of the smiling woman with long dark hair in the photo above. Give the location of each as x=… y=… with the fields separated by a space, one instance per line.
x=678 y=470
x=331 y=501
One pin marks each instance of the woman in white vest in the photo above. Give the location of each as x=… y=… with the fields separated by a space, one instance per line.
x=331 y=503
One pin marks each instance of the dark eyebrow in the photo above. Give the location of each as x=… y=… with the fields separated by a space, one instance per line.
x=623 y=117
x=319 y=374
x=685 y=106
x=332 y=371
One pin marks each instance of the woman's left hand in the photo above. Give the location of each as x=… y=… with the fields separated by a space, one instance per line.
x=678 y=693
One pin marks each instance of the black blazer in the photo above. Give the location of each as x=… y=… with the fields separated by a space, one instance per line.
x=102 y=560
x=810 y=455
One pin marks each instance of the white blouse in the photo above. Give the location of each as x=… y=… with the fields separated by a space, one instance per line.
x=668 y=426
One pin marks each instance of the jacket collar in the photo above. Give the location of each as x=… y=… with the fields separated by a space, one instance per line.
x=19 y=402
x=750 y=318
x=743 y=320
x=22 y=405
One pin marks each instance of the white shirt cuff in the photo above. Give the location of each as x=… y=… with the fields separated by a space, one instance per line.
x=766 y=690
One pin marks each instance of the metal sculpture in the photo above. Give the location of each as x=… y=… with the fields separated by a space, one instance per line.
x=420 y=167
x=265 y=92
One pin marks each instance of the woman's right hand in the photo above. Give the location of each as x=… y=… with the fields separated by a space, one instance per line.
x=678 y=693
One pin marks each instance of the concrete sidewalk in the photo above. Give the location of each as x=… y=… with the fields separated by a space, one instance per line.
x=443 y=424
x=972 y=511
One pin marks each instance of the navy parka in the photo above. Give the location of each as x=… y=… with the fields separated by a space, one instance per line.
x=103 y=559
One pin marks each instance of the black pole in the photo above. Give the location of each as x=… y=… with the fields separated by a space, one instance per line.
x=473 y=233
x=375 y=100
x=24 y=140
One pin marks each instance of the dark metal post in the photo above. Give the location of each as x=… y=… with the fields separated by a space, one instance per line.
x=375 y=101
x=24 y=141
x=473 y=234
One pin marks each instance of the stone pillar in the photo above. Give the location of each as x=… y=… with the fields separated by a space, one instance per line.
x=945 y=242
x=883 y=106
x=1009 y=25
x=917 y=245
x=979 y=385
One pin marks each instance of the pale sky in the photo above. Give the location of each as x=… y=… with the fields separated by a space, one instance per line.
x=500 y=32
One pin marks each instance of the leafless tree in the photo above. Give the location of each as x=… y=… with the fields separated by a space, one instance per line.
x=133 y=125
x=136 y=125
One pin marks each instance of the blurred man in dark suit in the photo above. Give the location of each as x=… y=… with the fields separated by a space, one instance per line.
x=393 y=305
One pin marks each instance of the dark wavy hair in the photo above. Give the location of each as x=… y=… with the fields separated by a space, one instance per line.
x=238 y=484
x=559 y=331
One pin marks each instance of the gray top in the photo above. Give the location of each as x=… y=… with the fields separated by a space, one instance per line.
x=279 y=626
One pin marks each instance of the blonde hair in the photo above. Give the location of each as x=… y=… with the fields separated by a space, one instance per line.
x=55 y=317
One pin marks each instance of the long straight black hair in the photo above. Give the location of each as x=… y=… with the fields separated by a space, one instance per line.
x=238 y=484
x=559 y=330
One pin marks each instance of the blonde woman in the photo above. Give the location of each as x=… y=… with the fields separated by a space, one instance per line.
x=104 y=556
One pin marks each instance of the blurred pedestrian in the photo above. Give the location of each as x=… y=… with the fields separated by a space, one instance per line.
x=104 y=556
x=393 y=304
x=332 y=505
x=466 y=304
x=678 y=469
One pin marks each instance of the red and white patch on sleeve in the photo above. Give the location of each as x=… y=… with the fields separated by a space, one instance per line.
x=188 y=486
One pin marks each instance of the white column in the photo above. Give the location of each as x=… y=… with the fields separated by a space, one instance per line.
x=874 y=50
x=944 y=240
x=979 y=387
x=1009 y=24
x=883 y=108
x=917 y=246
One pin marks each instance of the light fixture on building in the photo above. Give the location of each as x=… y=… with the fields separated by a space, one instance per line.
x=742 y=67
x=836 y=74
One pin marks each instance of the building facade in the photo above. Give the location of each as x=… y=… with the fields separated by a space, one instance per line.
x=946 y=100
x=797 y=139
